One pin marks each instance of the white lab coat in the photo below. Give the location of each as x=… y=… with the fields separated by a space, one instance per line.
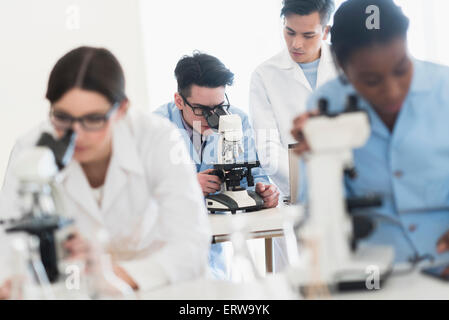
x=278 y=93
x=5 y=257
x=152 y=206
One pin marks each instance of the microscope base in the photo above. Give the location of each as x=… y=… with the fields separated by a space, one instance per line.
x=234 y=201
x=367 y=270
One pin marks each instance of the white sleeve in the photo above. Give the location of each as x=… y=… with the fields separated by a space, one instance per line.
x=272 y=154
x=9 y=207
x=183 y=229
x=10 y=182
x=5 y=259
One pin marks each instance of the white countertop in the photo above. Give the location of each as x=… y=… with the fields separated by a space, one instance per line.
x=410 y=286
x=413 y=286
x=273 y=287
x=257 y=221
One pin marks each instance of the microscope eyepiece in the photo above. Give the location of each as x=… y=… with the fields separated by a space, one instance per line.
x=352 y=103
x=213 y=118
x=62 y=149
x=323 y=106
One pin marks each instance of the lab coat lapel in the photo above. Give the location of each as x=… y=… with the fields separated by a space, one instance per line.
x=78 y=189
x=287 y=63
x=116 y=180
x=301 y=77
x=298 y=74
x=125 y=162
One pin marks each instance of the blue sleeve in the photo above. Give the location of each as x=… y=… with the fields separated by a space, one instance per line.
x=161 y=111
x=335 y=92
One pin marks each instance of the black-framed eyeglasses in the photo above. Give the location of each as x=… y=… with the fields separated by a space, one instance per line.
x=89 y=122
x=200 y=110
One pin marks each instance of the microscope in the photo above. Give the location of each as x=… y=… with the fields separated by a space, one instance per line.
x=232 y=197
x=36 y=169
x=330 y=234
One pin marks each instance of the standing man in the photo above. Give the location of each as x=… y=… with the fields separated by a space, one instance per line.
x=281 y=85
x=202 y=81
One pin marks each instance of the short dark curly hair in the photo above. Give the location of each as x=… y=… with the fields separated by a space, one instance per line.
x=305 y=7
x=202 y=70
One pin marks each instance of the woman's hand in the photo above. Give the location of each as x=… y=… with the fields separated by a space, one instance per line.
x=5 y=290
x=80 y=249
x=123 y=275
x=297 y=131
x=77 y=247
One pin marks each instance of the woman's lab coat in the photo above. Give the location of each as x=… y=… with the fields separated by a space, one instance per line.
x=152 y=205
x=278 y=93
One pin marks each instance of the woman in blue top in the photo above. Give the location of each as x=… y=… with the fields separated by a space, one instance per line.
x=406 y=158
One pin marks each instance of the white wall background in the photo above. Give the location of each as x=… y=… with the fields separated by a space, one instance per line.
x=428 y=29
x=241 y=33
x=34 y=34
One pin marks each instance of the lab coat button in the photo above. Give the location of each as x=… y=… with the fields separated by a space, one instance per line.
x=398 y=174
x=412 y=228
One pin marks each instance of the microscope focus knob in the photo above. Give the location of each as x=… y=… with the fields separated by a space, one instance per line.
x=352 y=103
x=218 y=173
x=323 y=106
x=351 y=173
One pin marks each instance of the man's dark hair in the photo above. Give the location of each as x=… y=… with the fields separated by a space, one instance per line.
x=350 y=32
x=88 y=68
x=305 y=7
x=202 y=70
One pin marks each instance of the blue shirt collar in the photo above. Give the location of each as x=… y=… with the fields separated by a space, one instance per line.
x=421 y=81
x=311 y=65
x=188 y=128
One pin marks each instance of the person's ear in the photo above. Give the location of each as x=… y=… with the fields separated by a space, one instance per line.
x=123 y=109
x=179 y=101
x=327 y=30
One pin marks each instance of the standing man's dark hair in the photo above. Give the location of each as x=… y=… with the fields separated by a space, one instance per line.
x=305 y=7
x=202 y=70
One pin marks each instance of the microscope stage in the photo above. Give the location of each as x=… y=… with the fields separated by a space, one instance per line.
x=234 y=201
